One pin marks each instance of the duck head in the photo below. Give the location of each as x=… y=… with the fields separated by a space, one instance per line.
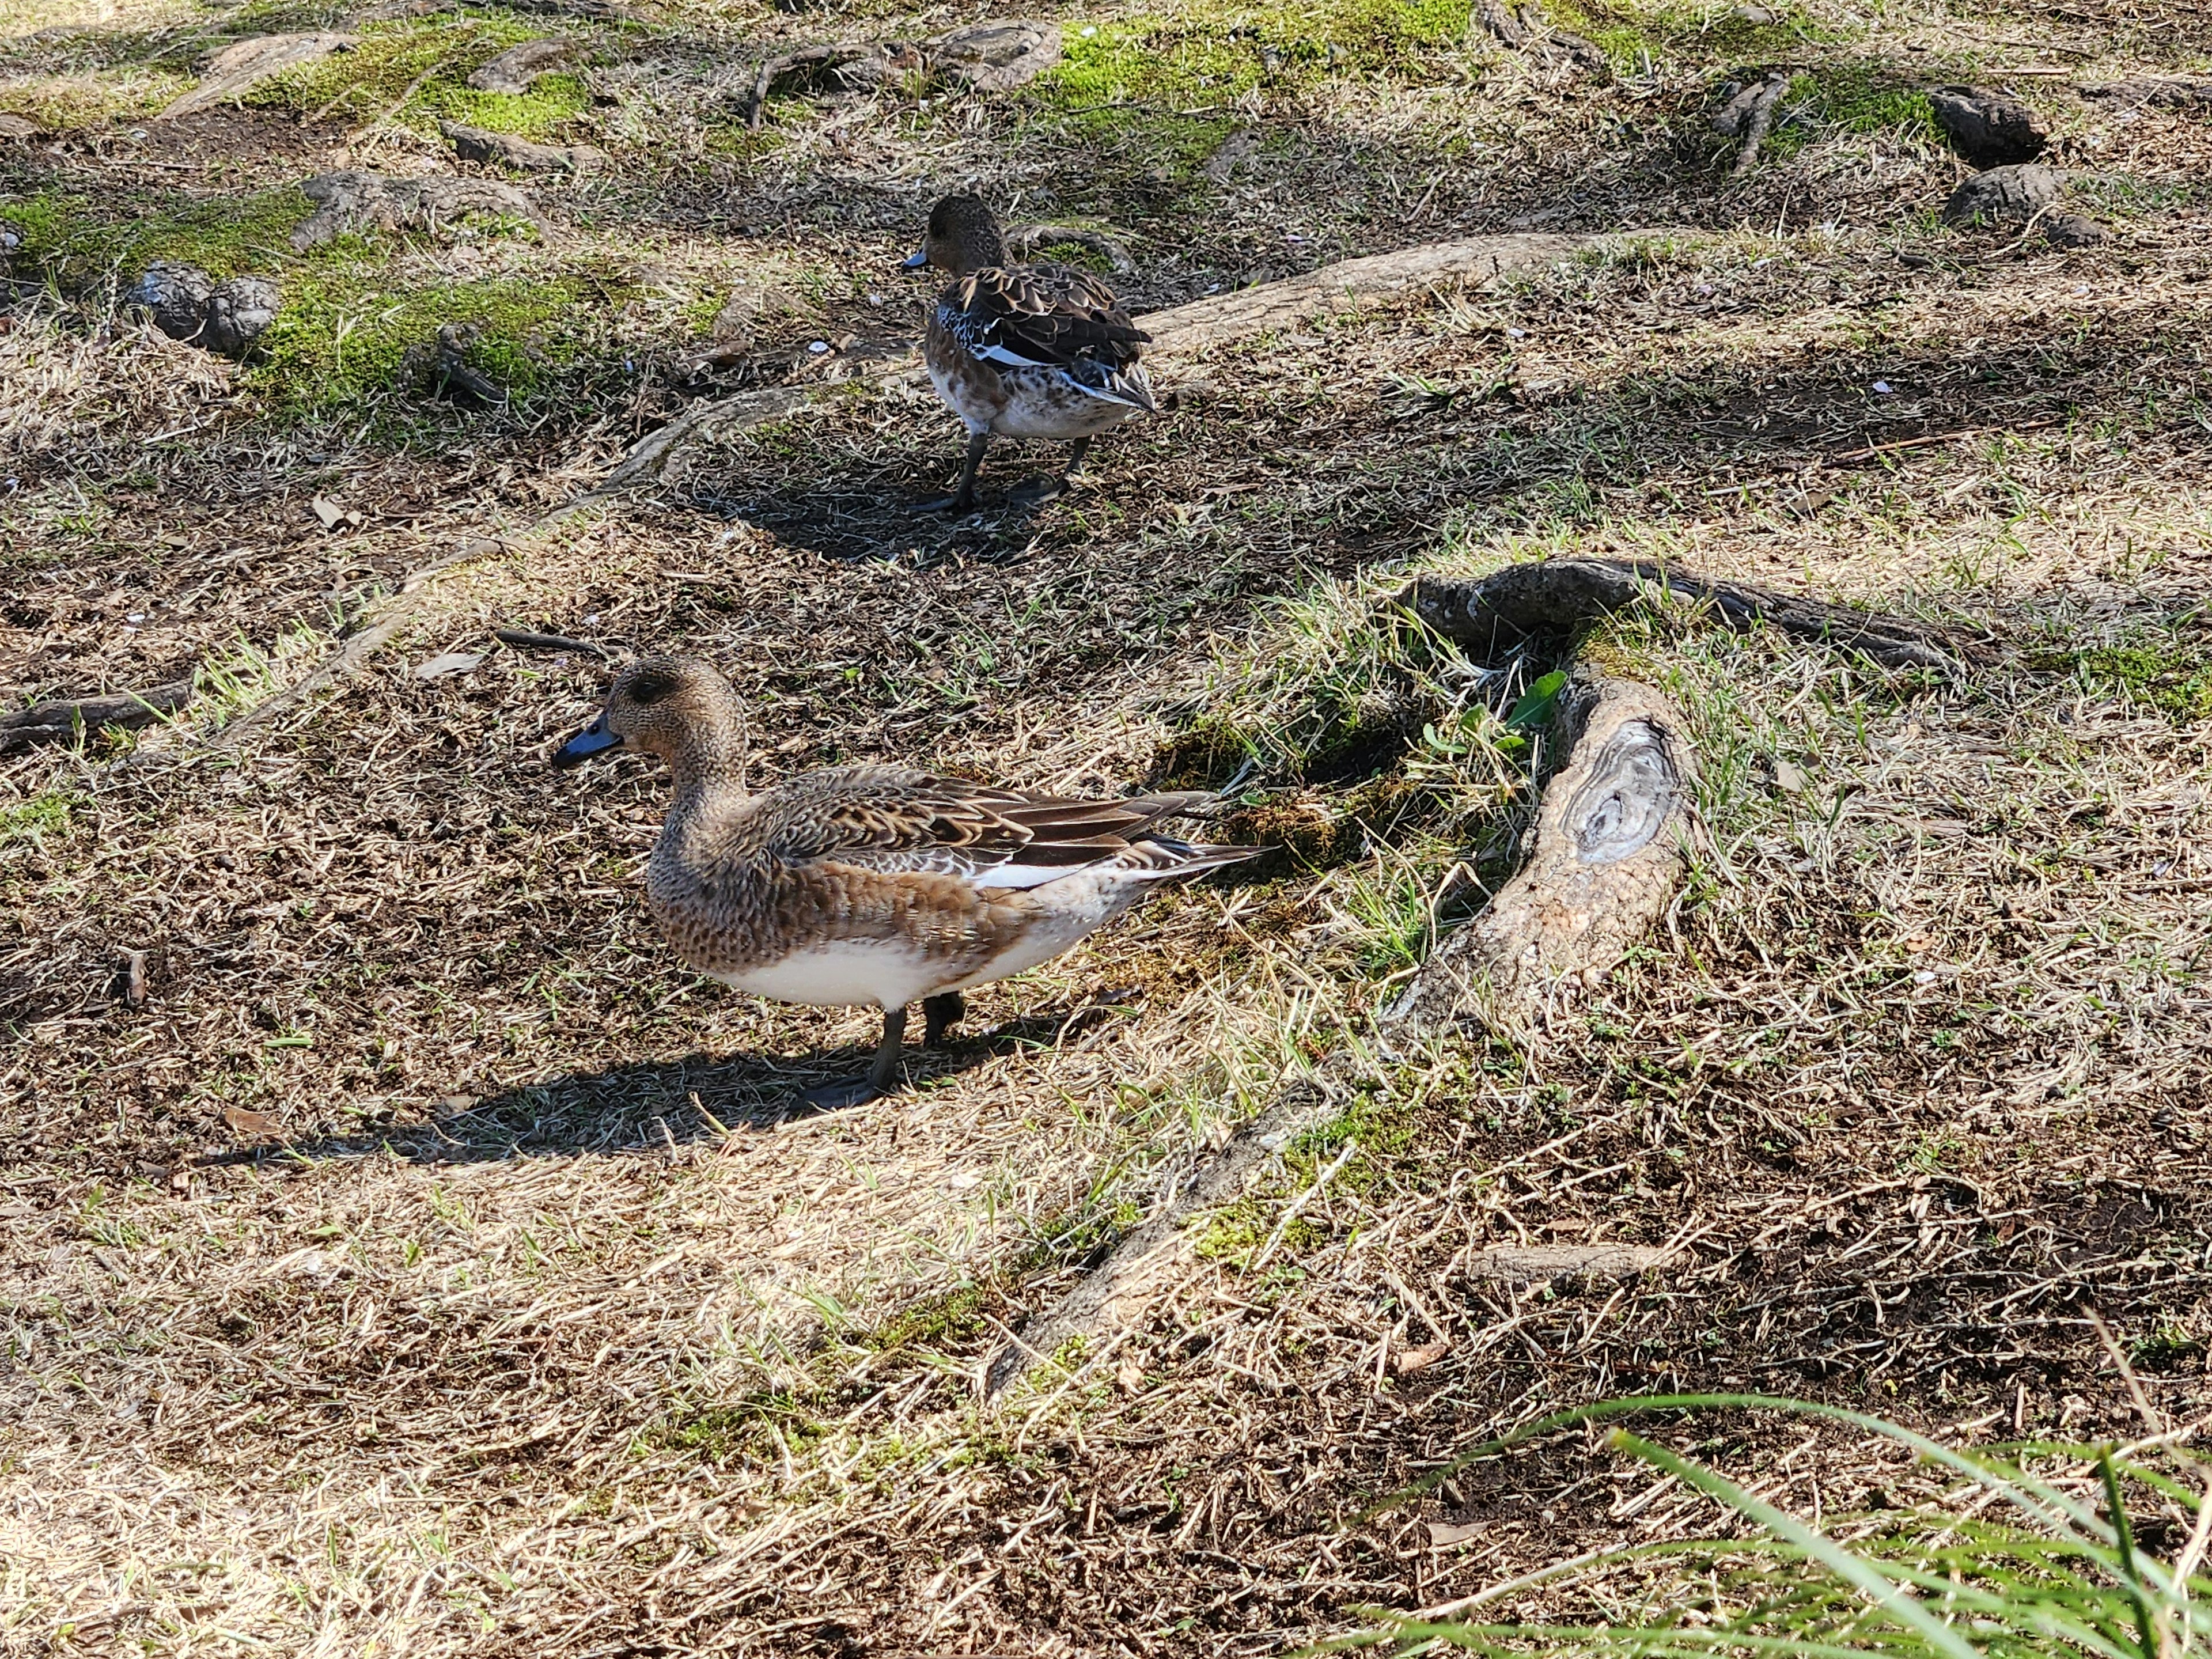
x=963 y=236
x=680 y=708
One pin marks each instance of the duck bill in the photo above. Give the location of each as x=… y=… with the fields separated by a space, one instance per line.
x=916 y=260
x=593 y=740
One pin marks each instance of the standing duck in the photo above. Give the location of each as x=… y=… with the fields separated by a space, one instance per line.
x=1024 y=351
x=871 y=885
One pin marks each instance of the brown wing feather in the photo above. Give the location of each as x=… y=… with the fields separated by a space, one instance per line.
x=1046 y=314
x=887 y=816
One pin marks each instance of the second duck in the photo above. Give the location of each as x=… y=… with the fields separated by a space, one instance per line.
x=1024 y=351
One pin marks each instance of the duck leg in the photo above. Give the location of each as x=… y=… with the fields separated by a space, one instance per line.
x=939 y=1014
x=882 y=1075
x=1044 y=489
x=964 y=499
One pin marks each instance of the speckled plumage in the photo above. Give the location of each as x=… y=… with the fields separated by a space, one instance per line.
x=1026 y=351
x=870 y=884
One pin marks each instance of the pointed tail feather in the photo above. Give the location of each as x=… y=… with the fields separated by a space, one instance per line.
x=1162 y=858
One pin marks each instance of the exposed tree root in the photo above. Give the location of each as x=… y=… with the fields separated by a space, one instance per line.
x=1559 y=599
x=64 y=719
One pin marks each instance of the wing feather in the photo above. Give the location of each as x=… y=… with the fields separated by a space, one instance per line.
x=1043 y=316
x=892 y=820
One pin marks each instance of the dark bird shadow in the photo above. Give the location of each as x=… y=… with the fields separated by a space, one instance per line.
x=665 y=1105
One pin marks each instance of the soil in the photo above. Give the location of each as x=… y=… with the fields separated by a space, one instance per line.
x=398 y=1247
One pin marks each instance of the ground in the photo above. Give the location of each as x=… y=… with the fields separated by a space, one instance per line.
x=414 y=1258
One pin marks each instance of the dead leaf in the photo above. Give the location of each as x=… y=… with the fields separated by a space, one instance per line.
x=452 y=662
x=1409 y=1360
x=252 y=1123
x=332 y=515
x=1787 y=779
x=1131 y=1375
x=1445 y=1533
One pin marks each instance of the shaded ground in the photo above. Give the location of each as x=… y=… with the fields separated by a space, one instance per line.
x=426 y=1262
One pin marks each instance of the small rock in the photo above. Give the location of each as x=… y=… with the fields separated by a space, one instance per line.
x=18 y=129
x=476 y=144
x=1757 y=16
x=239 y=312
x=995 y=56
x=1990 y=129
x=174 y=296
x=2071 y=229
x=2006 y=195
x=518 y=67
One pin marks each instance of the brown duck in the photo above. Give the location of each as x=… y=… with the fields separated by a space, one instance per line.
x=871 y=885
x=1024 y=351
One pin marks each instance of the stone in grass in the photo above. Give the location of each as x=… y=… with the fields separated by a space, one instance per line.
x=478 y=144
x=18 y=129
x=2015 y=195
x=517 y=67
x=174 y=296
x=1990 y=129
x=239 y=312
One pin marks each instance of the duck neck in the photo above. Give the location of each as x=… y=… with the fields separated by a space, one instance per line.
x=981 y=246
x=710 y=768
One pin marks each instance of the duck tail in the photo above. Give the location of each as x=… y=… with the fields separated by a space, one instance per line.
x=1163 y=858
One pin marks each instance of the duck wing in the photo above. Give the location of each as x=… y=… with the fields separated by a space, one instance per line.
x=894 y=821
x=1040 y=317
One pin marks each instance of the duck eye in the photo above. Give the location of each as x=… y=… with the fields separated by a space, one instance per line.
x=651 y=687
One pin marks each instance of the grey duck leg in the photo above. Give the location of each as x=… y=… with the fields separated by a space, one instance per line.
x=939 y=1014
x=963 y=498
x=1044 y=489
x=882 y=1075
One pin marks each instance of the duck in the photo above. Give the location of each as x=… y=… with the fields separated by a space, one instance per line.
x=1024 y=351
x=872 y=885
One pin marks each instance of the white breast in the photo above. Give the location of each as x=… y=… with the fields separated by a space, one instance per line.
x=846 y=973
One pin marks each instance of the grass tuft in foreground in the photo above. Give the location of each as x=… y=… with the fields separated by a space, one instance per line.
x=2038 y=1549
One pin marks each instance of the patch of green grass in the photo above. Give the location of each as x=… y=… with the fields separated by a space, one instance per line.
x=946 y=1320
x=752 y=1427
x=76 y=241
x=2036 y=1552
x=51 y=813
x=342 y=335
x=2164 y=676
x=1869 y=98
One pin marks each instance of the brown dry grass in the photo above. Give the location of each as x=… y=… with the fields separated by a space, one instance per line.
x=426 y=1268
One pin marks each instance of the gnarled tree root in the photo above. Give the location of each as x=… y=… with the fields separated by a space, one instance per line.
x=1559 y=599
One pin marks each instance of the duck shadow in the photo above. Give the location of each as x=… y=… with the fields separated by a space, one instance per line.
x=666 y=1105
x=889 y=518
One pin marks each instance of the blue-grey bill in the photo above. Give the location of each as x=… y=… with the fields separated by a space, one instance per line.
x=593 y=740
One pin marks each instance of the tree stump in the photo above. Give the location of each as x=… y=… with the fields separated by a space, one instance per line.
x=1608 y=853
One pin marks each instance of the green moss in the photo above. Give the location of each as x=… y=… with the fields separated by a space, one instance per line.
x=536 y=113
x=944 y=1321
x=342 y=335
x=428 y=67
x=749 y=1427
x=1667 y=30
x=1180 y=69
x=73 y=241
x=71 y=103
x=1869 y=98
x=2176 y=683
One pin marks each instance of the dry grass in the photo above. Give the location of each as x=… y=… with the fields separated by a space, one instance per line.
x=426 y=1268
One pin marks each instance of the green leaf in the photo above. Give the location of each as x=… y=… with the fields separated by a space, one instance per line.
x=1537 y=701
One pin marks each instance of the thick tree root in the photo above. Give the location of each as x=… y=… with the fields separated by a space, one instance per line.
x=1559 y=599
